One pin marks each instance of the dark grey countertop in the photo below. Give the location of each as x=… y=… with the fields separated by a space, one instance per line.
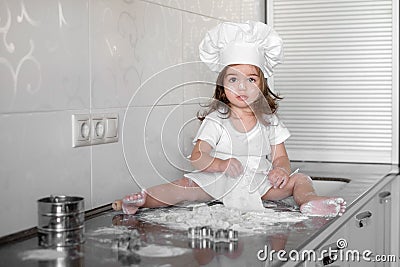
x=103 y=250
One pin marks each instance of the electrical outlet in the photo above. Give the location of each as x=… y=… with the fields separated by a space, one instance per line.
x=94 y=129
x=97 y=130
x=80 y=130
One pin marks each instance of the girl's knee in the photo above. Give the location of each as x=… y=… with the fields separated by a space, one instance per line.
x=300 y=178
x=190 y=191
x=288 y=189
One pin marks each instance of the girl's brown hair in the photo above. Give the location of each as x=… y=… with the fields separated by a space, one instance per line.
x=221 y=103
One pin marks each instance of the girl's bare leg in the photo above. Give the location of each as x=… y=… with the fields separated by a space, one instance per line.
x=165 y=195
x=300 y=186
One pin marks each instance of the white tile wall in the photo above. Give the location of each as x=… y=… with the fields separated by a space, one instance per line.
x=235 y=10
x=129 y=46
x=37 y=160
x=43 y=56
x=59 y=58
x=202 y=79
x=153 y=133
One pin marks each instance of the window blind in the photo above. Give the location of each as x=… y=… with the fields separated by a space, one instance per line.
x=337 y=79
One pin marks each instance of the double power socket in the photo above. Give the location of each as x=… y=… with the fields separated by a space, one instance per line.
x=94 y=129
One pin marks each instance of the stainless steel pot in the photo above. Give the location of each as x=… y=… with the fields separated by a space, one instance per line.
x=61 y=221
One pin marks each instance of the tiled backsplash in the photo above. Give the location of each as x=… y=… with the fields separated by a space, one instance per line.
x=59 y=58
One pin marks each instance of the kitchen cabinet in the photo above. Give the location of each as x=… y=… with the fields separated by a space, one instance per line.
x=369 y=231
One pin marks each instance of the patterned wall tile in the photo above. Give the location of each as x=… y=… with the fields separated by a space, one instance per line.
x=43 y=55
x=132 y=42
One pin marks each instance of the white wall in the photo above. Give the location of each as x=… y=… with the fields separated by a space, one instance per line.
x=59 y=58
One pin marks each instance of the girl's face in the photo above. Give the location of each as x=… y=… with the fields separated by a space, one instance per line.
x=242 y=84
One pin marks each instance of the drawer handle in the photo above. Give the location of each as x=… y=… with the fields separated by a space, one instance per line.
x=384 y=197
x=363 y=218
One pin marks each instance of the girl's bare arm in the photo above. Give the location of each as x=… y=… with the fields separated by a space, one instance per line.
x=202 y=161
x=280 y=172
x=280 y=157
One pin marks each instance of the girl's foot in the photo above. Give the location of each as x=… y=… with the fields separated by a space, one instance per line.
x=329 y=207
x=131 y=203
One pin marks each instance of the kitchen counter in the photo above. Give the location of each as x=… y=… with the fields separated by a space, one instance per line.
x=113 y=239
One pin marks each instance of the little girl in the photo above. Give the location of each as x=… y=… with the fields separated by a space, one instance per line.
x=239 y=150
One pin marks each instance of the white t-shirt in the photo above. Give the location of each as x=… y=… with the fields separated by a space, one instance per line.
x=250 y=148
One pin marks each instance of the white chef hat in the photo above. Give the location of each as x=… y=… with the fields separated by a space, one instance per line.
x=251 y=42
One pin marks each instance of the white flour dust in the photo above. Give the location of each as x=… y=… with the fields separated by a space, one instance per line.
x=123 y=239
x=43 y=254
x=219 y=216
x=111 y=236
x=158 y=251
x=115 y=230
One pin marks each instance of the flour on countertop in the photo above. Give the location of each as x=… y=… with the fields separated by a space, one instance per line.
x=159 y=251
x=219 y=216
x=128 y=241
x=43 y=254
x=115 y=230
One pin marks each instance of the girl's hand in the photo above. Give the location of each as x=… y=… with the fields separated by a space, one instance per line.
x=232 y=167
x=278 y=177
